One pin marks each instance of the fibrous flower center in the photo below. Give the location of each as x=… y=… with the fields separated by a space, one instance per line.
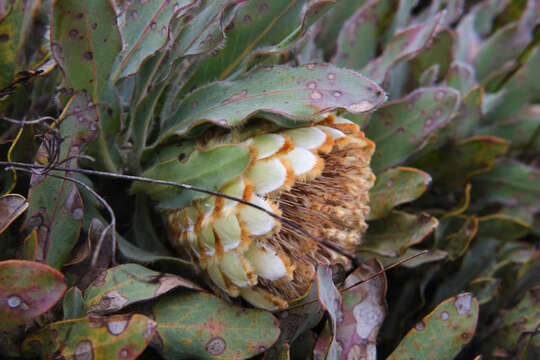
x=316 y=176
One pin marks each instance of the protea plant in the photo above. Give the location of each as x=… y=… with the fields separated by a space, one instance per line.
x=318 y=176
x=312 y=138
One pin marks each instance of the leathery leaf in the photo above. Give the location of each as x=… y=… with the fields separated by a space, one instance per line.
x=55 y=205
x=11 y=207
x=332 y=302
x=84 y=41
x=207 y=169
x=364 y=309
x=443 y=332
x=126 y=284
x=394 y=187
x=293 y=93
x=199 y=325
x=402 y=127
x=27 y=290
x=97 y=338
x=395 y=233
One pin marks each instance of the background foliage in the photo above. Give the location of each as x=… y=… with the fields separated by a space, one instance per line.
x=129 y=87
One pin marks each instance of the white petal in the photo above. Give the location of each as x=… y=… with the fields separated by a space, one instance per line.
x=307 y=137
x=216 y=276
x=236 y=270
x=255 y=221
x=267 y=144
x=234 y=188
x=262 y=299
x=267 y=175
x=207 y=206
x=335 y=133
x=228 y=230
x=301 y=160
x=207 y=239
x=342 y=120
x=266 y=263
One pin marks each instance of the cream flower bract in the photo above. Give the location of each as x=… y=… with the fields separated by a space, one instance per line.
x=317 y=176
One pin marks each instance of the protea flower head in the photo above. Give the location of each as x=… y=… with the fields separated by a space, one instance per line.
x=317 y=176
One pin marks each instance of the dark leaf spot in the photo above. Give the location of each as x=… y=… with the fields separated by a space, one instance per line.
x=135 y=15
x=88 y=56
x=247 y=19
x=73 y=33
x=4 y=37
x=94 y=26
x=216 y=346
x=79 y=16
x=263 y=8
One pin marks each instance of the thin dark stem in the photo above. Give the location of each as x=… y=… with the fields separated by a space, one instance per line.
x=342 y=289
x=291 y=223
x=97 y=196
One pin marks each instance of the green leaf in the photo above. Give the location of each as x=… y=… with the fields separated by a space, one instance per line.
x=360 y=36
x=474 y=26
x=520 y=89
x=395 y=233
x=461 y=77
x=10 y=35
x=519 y=129
x=297 y=320
x=402 y=127
x=438 y=53
x=144 y=27
x=505 y=45
x=453 y=165
x=98 y=338
x=84 y=42
x=515 y=325
x=27 y=290
x=455 y=234
x=510 y=183
x=425 y=258
x=364 y=309
x=443 y=332
x=502 y=227
x=126 y=284
x=207 y=169
x=132 y=253
x=199 y=325
x=294 y=93
x=394 y=187
x=332 y=23
x=203 y=32
x=11 y=207
x=55 y=205
x=484 y=289
x=257 y=25
x=73 y=304
x=403 y=45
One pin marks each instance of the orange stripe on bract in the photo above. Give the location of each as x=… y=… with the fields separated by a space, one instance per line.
x=289 y=178
x=248 y=190
x=245 y=239
x=286 y=148
x=328 y=144
x=218 y=245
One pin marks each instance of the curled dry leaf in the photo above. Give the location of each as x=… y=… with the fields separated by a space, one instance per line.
x=11 y=207
x=126 y=284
